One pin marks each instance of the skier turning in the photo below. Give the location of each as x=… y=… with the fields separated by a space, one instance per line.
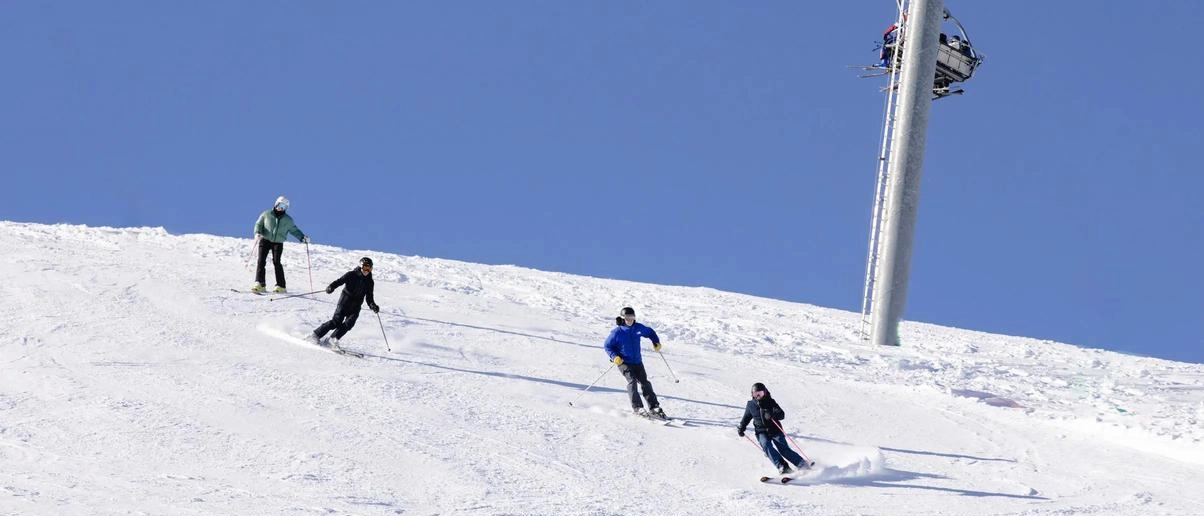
x=357 y=285
x=765 y=413
x=271 y=230
x=623 y=346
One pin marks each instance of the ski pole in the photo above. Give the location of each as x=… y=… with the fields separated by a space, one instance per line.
x=251 y=255
x=309 y=265
x=296 y=295
x=754 y=443
x=675 y=379
x=382 y=332
x=800 y=448
x=612 y=366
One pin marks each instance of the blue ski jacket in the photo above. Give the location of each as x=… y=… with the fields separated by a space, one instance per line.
x=624 y=341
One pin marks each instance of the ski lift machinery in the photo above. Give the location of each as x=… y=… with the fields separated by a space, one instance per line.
x=954 y=63
x=956 y=59
x=899 y=160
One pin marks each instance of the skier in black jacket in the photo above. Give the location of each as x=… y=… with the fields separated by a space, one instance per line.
x=765 y=413
x=357 y=285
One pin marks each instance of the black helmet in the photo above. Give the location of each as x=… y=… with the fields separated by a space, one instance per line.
x=627 y=311
x=365 y=261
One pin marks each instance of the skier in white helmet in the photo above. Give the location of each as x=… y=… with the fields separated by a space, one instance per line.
x=272 y=228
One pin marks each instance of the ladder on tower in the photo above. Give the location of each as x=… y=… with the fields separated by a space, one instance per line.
x=878 y=217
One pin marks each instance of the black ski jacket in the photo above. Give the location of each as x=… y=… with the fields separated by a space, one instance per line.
x=356 y=287
x=761 y=413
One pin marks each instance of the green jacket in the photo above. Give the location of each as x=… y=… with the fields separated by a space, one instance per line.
x=277 y=229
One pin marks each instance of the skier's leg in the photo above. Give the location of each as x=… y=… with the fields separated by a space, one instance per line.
x=767 y=447
x=264 y=245
x=325 y=328
x=641 y=376
x=632 y=393
x=335 y=321
x=787 y=452
x=346 y=326
x=277 y=250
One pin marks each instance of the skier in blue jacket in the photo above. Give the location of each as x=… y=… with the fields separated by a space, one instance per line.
x=623 y=346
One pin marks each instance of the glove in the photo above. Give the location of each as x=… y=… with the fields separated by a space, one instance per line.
x=305 y=239
x=740 y=432
x=656 y=346
x=618 y=360
x=375 y=308
x=329 y=290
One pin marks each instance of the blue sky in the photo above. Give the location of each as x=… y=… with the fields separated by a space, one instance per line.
x=691 y=143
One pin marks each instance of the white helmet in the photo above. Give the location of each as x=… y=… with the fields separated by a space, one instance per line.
x=281 y=203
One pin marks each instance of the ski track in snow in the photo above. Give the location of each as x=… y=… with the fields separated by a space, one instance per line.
x=134 y=381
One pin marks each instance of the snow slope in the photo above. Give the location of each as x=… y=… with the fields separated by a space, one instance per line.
x=133 y=381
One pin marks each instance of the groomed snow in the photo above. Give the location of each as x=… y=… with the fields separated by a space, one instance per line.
x=134 y=381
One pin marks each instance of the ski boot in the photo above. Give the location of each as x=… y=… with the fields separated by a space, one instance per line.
x=257 y=288
x=278 y=290
x=657 y=412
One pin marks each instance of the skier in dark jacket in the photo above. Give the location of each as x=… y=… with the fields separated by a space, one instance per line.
x=765 y=413
x=357 y=285
x=623 y=346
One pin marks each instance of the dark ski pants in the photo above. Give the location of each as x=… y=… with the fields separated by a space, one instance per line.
x=776 y=449
x=342 y=322
x=277 y=249
x=635 y=374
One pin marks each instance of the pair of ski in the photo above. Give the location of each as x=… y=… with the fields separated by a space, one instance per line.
x=260 y=293
x=783 y=480
x=873 y=71
x=324 y=344
x=308 y=341
x=666 y=421
x=266 y=293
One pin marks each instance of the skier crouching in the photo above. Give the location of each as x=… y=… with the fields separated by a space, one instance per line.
x=357 y=285
x=765 y=413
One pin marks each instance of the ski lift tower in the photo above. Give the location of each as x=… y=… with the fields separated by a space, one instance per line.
x=923 y=65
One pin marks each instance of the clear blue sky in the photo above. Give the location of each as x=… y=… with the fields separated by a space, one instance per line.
x=722 y=144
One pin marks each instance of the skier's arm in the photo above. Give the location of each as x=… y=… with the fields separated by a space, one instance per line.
x=296 y=232
x=259 y=229
x=372 y=302
x=744 y=420
x=771 y=410
x=612 y=345
x=651 y=334
x=339 y=282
